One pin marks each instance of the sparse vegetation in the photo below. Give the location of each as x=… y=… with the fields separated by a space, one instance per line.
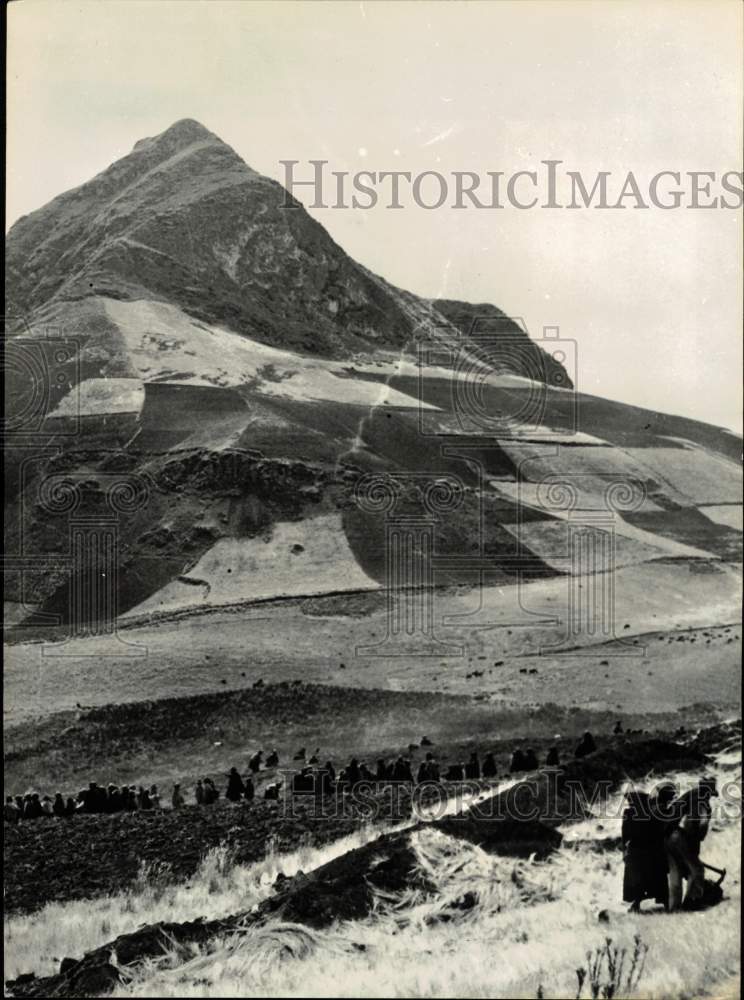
x=606 y=973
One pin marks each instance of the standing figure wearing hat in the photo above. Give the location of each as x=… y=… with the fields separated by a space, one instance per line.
x=692 y=813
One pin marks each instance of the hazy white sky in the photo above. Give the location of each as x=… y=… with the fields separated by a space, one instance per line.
x=652 y=298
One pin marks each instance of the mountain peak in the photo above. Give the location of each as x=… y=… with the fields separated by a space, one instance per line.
x=180 y=134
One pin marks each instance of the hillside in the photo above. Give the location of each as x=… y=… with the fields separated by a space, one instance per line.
x=205 y=365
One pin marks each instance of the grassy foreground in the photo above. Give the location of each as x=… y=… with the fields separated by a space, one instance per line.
x=529 y=929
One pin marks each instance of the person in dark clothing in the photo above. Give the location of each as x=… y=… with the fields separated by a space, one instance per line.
x=402 y=771
x=210 y=792
x=20 y=803
x=86 y=798
x=382 y=773
x=255 y=761
x=552 y=759
x=585 y=746
x=32 y=808
x=427 y=770
x=100 y=798
x=114 y=799
x=472 y=768
x=364 y=772
x=250 y=788
x=691 y=818
x=617 y=729
x=94 y=799
x=489 y=766
x=11 y=812
x=235 y=787
x=273 y=759
x=516 y=764
x=531 y=762
x=303 y=783
x=353 y=776
x=145 y=802
x=271 y=792
x=325 y=779
x=58 y=806
x=644 y=827
x=455 y=772
x=70 y=806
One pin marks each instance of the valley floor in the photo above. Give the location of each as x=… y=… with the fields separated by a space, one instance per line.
x=215 y=686
x=508 y=644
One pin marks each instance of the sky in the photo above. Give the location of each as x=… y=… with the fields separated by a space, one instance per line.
x=652 y=299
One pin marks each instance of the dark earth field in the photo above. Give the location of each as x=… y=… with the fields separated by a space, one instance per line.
x=344 y=887
x=182 y=739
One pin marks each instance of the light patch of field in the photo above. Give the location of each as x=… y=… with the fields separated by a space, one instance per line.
x=544 y=539
x=300 y=558
x=314 y=384
x=701 y=477
x=589 y=471
x=167 y=345
x=729 y=515
x=519 y=435
x=551 y=541
x=99 y=396
x=406 y=367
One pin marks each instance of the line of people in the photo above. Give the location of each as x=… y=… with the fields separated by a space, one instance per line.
x=96 y=799
x=311 y=776
x=93 y=799
x=527 y=760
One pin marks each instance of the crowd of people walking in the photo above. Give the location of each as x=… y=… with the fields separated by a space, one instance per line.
x=310 y=776
x=661 y=833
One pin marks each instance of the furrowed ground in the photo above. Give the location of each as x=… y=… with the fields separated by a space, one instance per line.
x=538 y=917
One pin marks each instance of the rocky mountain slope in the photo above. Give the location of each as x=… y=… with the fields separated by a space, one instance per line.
x=202 y=379
x=184 y=220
